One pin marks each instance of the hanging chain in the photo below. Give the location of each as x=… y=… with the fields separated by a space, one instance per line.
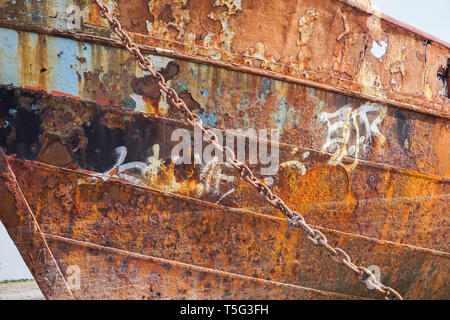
x=294 y=219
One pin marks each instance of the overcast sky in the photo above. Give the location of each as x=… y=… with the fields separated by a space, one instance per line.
x=432 y=16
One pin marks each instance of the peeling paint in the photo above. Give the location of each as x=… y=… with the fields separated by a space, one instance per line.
x=342 y=155
x=183 y=27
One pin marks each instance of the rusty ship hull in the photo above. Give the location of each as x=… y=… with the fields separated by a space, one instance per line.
x=364 y=150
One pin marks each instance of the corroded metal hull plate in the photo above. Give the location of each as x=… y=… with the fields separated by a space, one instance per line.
x=366 y=161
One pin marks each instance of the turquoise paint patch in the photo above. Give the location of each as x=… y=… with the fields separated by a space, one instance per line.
x=205 y=92
x=12 y=111
x=219 y=88
x=265 y=90
x=247 y=122
x=209 y=120
x=63 y=54
x=195 y=74
x=243 y=102
x=8 y=57
x=280 y=115
x=180 y=86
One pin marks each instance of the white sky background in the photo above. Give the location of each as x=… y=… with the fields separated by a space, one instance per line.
x=12 y=266
x=431 y=16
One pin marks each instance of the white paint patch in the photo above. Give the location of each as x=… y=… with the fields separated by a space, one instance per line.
x=140 y=104
x=295 y=165
x=159 y=62
x=379 y=50
x=118 y=171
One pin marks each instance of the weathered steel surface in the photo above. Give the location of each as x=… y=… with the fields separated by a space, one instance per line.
x=117 y=215
x=111 y=273
x=334 y=80
x=330 y=44
x=374 y=200
x=223 y=98
x=23 y=227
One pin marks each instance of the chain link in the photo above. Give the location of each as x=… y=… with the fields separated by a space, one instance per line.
x=294 y=219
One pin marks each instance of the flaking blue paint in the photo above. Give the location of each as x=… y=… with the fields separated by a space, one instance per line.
x=60 y=11
x=194 y=74
x=265 y=90
x=36 y=16
x=286 y=117
x=61 y=52
x=179 y=86
x=8 y=57
x=247 y=124
x=64 y=53
x=219 y=88
x=209 y=120
x=243 y=102
x=205 y=92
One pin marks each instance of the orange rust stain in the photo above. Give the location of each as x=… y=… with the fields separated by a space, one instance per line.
x=202 y=234
x=151 y=105
x=324 y=189
x=33 y=68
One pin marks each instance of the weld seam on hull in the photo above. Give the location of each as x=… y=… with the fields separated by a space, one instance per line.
x=245 y=211
x=8 y=171
x=186 y=265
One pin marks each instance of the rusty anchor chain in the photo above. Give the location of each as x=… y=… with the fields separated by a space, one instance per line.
x=294 y=219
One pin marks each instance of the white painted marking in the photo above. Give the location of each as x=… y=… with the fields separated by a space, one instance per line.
x=340 y=138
